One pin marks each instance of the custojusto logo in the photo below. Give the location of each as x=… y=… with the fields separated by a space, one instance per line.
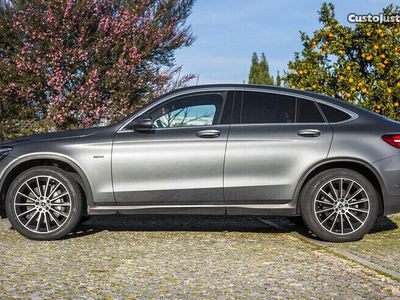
x=370 y=18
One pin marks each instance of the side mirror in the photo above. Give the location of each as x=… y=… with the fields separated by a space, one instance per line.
x=142 y=125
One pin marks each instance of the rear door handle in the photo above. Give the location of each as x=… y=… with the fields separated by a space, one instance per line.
x=309 y=133
x=208 y=134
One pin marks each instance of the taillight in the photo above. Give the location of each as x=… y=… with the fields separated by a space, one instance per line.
x=392 y=139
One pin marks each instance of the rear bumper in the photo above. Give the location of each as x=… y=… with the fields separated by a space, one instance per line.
x=391 y=205
x=389 y=170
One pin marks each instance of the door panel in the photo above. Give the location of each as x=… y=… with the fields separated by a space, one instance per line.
x=169 y=166
x=180 y=162
x=265 y=162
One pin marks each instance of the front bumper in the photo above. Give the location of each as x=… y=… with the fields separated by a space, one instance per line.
x=389 y=170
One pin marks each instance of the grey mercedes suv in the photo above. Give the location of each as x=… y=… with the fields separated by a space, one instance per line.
x=215 y=150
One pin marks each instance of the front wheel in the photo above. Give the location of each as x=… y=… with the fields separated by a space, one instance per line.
x=339 y=205
x=44 y=203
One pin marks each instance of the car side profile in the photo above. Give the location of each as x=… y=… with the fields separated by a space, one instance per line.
x=212 y=150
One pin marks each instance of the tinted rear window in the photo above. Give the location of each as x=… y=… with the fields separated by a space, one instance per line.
x=267 y=108
x=307 y=112
x=334 y=115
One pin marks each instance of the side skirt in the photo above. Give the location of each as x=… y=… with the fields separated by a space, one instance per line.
x=288 y=209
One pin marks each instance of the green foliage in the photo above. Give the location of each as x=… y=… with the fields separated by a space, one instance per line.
x=278 y=80
x=259 y=71
x=358 y=64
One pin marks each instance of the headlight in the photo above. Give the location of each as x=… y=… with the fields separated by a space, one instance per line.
x=4 y=152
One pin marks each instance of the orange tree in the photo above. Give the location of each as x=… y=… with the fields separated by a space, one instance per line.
x=359 y=64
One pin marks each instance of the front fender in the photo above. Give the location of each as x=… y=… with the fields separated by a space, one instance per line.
x=10 y=164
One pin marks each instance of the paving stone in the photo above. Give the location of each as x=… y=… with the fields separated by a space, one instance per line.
x=180 y=257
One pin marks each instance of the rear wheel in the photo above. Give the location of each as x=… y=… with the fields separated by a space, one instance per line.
x=44 y=203
x=339 y=205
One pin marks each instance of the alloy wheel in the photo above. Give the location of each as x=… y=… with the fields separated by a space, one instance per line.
x=342 y=206
x=42 y=204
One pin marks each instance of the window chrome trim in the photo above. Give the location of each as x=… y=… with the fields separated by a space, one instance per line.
x=202 y=127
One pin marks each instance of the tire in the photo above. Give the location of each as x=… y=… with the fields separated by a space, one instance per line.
x=48 y=213
x=323 y=206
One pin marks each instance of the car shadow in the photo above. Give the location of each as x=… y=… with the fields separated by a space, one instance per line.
x=159 y=223
x=383 y=224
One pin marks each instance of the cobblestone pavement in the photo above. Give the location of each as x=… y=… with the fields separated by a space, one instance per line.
x=180 y=258
x=382 y=246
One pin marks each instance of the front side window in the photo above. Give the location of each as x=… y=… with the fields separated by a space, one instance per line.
x=197 y=110
x=267 y=108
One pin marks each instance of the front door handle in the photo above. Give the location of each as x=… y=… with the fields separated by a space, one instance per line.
x=208 y=134
x=309 y=133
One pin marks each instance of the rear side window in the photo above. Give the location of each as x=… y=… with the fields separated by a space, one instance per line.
x=267 y=108
x=333 y=114
x=307 y=112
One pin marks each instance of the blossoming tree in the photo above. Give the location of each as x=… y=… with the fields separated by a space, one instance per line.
x=73 y=63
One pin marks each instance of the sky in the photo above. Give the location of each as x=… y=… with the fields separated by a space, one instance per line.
x=229 y=31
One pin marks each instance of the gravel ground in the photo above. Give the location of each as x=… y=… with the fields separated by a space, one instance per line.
x=381 y=246
x=180 y=258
